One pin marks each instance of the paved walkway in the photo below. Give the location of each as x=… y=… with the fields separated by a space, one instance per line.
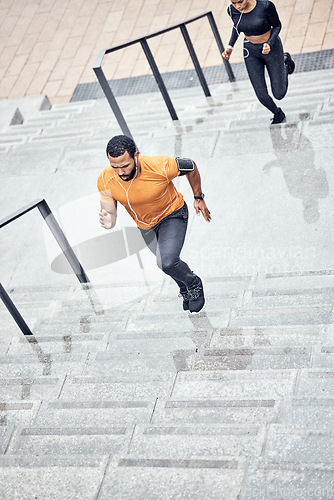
x=48 y=46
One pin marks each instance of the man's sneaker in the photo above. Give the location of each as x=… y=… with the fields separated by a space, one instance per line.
x=184 y=293
x=278 y=117
x=196 y=295
x=289 y=63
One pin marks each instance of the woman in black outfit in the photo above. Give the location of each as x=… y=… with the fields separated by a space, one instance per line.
x=259 y=21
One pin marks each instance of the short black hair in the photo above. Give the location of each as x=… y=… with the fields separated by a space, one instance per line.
x=119 y=144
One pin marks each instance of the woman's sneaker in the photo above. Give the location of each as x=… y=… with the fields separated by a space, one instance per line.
x=278 y=117
x=289 y=63
x=196 y=295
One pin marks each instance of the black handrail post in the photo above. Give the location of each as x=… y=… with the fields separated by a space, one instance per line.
x=194 y=58
x=109 y=95
x=14 y=312
x=62 y=241
x=158 y=78
x=220 y=46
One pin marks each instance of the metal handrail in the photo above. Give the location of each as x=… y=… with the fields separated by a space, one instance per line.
x=62 y=241
x=157 y=75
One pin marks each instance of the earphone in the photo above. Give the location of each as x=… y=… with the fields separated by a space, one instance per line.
x=236 y=26
x=246 y=51
x=136 y=166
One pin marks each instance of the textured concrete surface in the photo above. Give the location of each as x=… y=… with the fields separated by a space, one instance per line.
x=121 y=394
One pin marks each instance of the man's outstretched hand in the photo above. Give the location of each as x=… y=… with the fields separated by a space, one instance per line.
x=201 y=208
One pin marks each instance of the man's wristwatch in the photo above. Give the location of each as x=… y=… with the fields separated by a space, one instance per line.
x=199 y=197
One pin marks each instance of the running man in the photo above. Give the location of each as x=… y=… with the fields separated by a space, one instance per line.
x=143 y=185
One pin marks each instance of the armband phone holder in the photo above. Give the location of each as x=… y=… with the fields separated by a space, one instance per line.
x=185 y=165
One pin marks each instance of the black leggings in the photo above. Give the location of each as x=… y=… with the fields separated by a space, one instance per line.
x=278 y=72
x=166 y=240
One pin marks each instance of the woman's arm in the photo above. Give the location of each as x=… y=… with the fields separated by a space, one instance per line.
x=275 y=22
x=234 y=37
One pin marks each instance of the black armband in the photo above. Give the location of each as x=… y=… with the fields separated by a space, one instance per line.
x=185 y=165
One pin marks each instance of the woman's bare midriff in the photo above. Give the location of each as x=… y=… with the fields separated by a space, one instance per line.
x=259 y=38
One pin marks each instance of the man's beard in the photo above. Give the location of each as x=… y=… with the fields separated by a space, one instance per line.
x=130 y=176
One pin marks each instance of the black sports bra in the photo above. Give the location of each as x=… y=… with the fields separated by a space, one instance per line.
x=256 y=22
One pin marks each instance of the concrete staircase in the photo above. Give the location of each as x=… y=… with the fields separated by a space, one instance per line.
x=120 y=394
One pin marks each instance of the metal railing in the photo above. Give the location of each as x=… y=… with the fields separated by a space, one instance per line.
x=157 y=75
x=62 y=241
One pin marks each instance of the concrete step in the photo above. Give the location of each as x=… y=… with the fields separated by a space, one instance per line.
x=222 y=121
x=88 y=471
x=73 y=116
x=282 y=315
x=16 y=111
x=250 y=336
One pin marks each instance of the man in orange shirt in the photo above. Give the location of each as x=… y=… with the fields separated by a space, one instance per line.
x=143 y=185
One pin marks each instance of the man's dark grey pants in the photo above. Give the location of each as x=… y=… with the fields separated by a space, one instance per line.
x=166 y=240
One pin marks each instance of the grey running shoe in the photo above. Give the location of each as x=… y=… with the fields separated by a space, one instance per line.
x=184 y=293
x=196 y=295
x=278 y=117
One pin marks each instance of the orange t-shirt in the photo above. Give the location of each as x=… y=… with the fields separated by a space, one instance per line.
x=147 y=198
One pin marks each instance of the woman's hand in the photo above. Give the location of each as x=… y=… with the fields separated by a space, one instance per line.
x=227 y=53
x=266 y=48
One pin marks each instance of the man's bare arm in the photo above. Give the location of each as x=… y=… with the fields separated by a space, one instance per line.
x=194 y=179
x=108 y=214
